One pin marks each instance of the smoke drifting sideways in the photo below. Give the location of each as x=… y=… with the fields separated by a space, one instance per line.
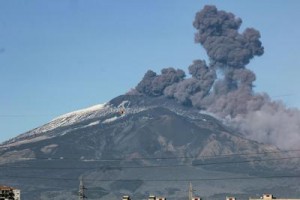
x=229 y=95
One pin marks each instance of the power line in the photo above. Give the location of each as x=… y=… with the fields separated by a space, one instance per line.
x=163 y=158
x=150 y=166
x=160 y=180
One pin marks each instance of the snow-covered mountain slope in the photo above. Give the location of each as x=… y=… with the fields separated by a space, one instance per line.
x=103 y=113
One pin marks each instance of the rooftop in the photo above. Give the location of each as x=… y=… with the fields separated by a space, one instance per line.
x=3 y=187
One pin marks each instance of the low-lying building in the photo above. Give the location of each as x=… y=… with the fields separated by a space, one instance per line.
x=230 y=198
x=8 y=193
x=270 y=197
x=196 y=198
x=126 y=197
x=152 y=197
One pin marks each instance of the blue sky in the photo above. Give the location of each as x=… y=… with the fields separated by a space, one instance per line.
x=58 y=56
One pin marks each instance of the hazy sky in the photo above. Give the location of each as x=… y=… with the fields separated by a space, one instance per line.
x=58 y=56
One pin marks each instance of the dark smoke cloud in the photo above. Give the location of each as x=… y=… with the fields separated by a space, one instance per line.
x=229 y=96
x=225 y=46
x=145 y=86
x=154 y=85
x=198 y=86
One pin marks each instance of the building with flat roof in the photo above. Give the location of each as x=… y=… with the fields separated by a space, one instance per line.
x=230 y=198
x=270 y=197
x=9 y=193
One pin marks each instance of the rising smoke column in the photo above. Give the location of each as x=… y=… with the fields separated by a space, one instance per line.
x=230 y=96
x=229 y=52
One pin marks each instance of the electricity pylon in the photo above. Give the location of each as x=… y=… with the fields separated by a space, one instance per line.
x=191 y=192
x=82 y=189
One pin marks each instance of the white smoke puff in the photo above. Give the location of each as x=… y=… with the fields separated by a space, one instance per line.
x=272 y=124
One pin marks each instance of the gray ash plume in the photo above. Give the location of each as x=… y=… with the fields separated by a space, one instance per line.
x=229 y=96
x=225 y=46
x=154 y=85
x=197 y=87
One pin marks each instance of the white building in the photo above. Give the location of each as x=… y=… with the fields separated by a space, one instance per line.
x=196 y=198
x=6 y=192
x=270 y=197
x=17 y=193
x=153 y=197
x=230 y=198
x=126 y=197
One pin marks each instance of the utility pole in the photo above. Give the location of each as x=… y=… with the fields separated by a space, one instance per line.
x=81 y=192
x=190 y=191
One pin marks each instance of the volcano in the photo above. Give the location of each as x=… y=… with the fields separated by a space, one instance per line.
x=154 y=146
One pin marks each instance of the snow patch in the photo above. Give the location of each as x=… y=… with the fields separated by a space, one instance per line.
x=123 y=104
x=110 y=120
x=92 y=124
x=81 y=111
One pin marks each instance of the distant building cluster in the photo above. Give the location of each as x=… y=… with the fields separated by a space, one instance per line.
x=192 y=197
x=264 y=197
x=9 y=193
